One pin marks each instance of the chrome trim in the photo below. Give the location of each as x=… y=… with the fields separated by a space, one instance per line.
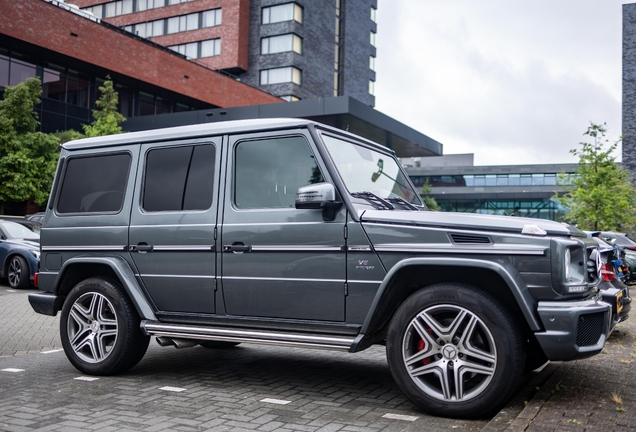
x=291 y=248
x=85 y=248
x=456 y=249
x=452 y=230
x=252 y=336
x=273 y=223
x=85 y=227
x=207 y=248
x=173 y=225
x=176 y=276
x=364 y=281
x=359 y=248
x=281 y=279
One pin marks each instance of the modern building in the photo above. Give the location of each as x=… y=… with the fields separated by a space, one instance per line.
x=72 y=52
x=459 y=186
x=300 y=49
x=629 y=87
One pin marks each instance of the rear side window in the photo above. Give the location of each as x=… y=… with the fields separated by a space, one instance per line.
x=94 y=184
x=179 y=178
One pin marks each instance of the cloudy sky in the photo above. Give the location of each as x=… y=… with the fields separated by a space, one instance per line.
x=514 y=82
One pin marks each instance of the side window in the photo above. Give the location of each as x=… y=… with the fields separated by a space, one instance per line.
x=268 y=173
x=94 y=184
x=179 y=178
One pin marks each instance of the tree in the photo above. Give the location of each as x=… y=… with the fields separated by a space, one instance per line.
x=600 y=196
x=107 y=117
x=27 y=158
x=428 y=200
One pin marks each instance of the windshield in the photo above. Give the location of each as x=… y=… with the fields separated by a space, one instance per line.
x=366 y=170
x=17 y=231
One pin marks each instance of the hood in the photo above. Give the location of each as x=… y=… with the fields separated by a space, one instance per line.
x=28 y=243
x=471 y=221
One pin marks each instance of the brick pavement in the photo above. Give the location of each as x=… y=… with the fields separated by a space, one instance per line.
x=227 y=390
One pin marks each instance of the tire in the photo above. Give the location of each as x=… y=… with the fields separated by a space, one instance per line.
x=453 y=330
x=217 y=344
x=18 y=273
x=99 y=328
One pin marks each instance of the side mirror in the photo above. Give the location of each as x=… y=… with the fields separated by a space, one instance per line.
x=319 y=196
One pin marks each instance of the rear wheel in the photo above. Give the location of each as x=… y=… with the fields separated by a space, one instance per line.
x=455 y=351
x=99 y=328
x=18 y=273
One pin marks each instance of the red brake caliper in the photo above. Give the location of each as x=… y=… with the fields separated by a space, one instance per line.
x=421 y=345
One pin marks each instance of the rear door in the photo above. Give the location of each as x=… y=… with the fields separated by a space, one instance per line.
x=173 y=223
x=277 y=261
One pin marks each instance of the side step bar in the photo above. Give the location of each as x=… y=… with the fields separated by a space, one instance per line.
x=184 y=331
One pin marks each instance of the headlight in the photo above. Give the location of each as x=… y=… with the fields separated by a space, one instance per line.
x=35 y=253
x=568 y=261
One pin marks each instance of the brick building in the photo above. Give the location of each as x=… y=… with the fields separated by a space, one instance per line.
x=299 y=49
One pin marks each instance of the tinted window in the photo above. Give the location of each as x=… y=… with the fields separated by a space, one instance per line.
x=179 y=178
x=269 y=172
x=94 y=184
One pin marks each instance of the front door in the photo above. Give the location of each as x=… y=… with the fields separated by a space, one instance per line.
x=173 y=222
x=277 y=261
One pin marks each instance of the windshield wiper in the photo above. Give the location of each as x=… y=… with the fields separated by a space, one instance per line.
x=373 y=198
x=402 y=201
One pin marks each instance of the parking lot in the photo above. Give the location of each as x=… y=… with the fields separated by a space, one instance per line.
x=249 y=387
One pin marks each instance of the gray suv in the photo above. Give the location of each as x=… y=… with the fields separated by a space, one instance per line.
x=293 y=233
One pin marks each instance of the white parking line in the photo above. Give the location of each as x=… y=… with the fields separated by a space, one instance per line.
x=85 y=378
x=275 y=401
x=400 y=417
x=12 y=370
x=51 y=351
x=172 y=389
x=11 y=291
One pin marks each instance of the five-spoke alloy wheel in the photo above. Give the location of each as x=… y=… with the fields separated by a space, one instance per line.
x=99 y=328
x=18 y=273
x=455 y=351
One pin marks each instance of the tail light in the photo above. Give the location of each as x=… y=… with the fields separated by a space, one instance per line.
x=607 y=272
x=35 y=280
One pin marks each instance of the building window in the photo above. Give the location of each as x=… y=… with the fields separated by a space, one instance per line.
x=123 y=7
x=193 y=50
x=372 y=39
x=373 y=14
x=372 y=88
x=211 y=18
x=284 y=12
x=372 y=63
x=176 y=24
x=282 y=43
x=281 y=75
x=290 y=98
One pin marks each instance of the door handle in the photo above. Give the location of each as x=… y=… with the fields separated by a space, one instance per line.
x=141 y=247
x=237 y=247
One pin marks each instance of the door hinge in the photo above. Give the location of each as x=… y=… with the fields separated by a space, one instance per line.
x=346 y=286
x=215 y=285
x=346 y=232
x=215 y=230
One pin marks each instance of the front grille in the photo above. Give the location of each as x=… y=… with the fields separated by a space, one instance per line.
x=470 y=239
x=589 y=329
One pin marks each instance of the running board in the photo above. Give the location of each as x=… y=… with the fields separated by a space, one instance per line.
x=183 y=331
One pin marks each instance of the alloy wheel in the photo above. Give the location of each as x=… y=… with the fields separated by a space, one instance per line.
x=92 y=327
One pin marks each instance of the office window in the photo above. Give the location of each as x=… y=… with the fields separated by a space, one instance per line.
x=372 y=63
x=372 y=39
x=284 y=12
x=290 y=98
x=372 y=87
x=281 y=75
x=211 y=18
x=211 y=48
x=373 y=14
x=282 y=43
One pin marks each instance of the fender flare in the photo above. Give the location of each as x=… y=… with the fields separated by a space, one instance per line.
x=504 y=269
x=124 y=273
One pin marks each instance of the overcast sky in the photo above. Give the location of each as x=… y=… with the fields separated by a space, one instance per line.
x=512 y=81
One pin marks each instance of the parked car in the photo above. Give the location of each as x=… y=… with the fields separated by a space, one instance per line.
x=293 y=233
x=613 y=290
x=19 y=254
x=630 y=262
x=36 y=217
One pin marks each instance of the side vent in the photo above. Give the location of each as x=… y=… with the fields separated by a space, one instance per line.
x=470 y=239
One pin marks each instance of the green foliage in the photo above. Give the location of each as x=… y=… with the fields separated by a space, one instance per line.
x=27 y=158
x=68 y=135
x=107 y=117
x=428 y=200
x=600 y=196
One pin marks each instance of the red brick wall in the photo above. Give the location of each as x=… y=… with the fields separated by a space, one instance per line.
x=48 y=26
x=234 y=30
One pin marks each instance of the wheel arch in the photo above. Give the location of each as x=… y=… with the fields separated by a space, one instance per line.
x=80 y=268
x=495 y=277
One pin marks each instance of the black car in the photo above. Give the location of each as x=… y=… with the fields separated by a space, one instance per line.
x=19 y=253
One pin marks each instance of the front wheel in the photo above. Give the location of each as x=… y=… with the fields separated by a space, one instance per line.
x=455 y=351
x=18 y=273
x=99 y=328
